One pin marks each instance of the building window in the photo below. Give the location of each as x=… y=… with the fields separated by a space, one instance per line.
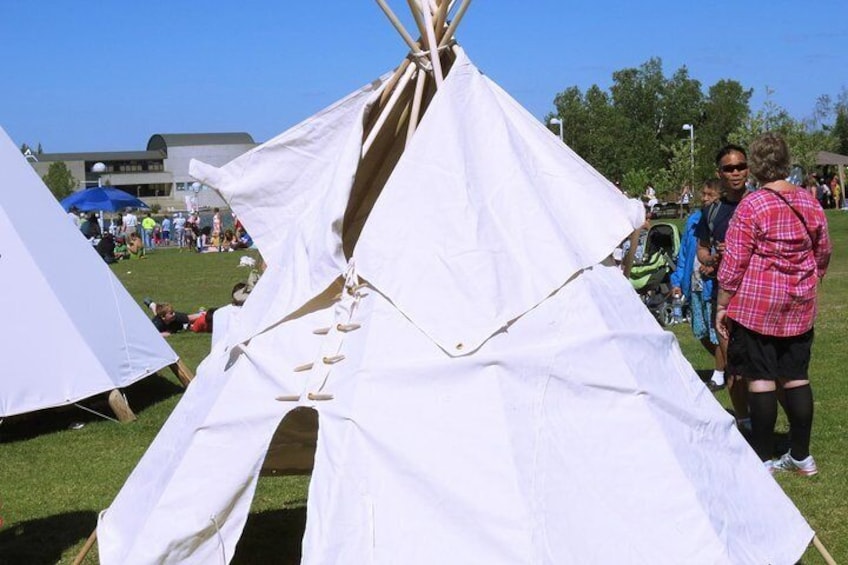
x=157 y=189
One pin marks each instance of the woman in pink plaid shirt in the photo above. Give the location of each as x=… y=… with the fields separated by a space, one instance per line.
x=777 y=250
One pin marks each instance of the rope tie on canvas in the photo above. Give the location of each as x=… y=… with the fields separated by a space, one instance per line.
x=220 y=539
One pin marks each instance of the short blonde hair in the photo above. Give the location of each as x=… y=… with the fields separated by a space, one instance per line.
x=768 y=158
x=164 y=309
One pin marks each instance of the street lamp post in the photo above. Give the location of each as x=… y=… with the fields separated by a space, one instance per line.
x=99 y=168
x=558 y=122
x=691 y=129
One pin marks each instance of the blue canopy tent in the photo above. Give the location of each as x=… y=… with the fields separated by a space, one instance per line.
x=103 y=198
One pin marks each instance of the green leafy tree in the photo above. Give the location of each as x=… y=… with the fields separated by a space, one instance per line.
x=840 y=132
x=803 y=141
x=823 y=112
x=634 y=181
x=570 y=108
x=636 y=99
x=636 y=126
x=633 y=131
x=59 y=180
x=677 y=173
x=727 y=105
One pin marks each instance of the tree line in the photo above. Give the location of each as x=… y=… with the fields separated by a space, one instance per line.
x=633 y=132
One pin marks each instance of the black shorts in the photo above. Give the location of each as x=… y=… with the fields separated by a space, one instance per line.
x=763 y=357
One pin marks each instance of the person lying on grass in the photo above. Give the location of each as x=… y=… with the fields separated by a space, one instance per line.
x=168 y=321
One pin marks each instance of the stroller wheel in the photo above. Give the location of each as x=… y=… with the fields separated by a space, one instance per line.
x=666 y=315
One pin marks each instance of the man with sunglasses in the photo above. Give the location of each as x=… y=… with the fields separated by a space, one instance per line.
x=732 y=169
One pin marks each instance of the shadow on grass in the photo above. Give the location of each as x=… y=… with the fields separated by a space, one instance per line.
x=42 y=541
x=141 y=395
x=274 y=532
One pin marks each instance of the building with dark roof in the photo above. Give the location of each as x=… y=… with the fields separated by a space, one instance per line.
x=159 y=174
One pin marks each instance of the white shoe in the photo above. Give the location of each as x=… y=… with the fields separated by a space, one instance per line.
x=805 y=467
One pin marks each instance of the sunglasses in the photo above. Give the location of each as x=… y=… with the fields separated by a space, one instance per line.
x=734 y=168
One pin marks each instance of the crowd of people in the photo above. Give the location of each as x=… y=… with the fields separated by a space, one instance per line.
x=750 y=266
x=826 y=190
x=127 y=237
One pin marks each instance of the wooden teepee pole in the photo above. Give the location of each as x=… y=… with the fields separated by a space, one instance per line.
x=441 y=18
x=119 y=405
x=399 y=27
x=416 y=106
x=381 y=120
x=182 y=372
x=419 y=20
x=434 y=50
x=89 y=543
x=392 y=82
x=454 y=23
x=824 y=553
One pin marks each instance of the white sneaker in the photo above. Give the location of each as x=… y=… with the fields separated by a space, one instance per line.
x=805 y=467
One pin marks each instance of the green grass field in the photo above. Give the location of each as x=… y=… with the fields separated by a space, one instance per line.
x=54 y=480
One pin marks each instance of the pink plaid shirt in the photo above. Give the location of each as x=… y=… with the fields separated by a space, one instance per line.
x=773 y=264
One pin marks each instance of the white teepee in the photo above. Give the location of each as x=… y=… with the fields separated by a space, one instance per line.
x=71 y=330
x=489 y=389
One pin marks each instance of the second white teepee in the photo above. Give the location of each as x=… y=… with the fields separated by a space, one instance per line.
x=71 y=329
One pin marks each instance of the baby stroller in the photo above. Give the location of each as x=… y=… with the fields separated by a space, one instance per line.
x=654 y=261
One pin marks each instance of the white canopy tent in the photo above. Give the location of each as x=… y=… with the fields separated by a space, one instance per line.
x=489 y=388
x=71 y=329
x=841 y=163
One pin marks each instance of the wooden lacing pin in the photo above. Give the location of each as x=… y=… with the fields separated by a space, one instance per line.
x=304 y=367
x=321 y=331
x=333 y=359
x=348 y=327
x=319 y=396
x=289 y=398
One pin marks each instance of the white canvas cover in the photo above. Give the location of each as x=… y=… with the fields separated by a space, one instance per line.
x=504 y=397
x=71 y=328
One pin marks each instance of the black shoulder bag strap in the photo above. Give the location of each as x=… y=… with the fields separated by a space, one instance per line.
x=712 y=212
x=794 y=211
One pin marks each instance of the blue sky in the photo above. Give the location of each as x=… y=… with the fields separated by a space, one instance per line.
x=105 y=76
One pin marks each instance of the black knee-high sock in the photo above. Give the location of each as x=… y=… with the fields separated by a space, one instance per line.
x=763 y=408
x=799 y=410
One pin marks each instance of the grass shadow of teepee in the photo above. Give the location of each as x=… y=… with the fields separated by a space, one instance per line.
x=44 y=540
x=141 y=395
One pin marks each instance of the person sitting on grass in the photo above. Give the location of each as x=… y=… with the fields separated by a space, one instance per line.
x=106 y=248
x=135 y=247
x=90 y=228
x=121 y=252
